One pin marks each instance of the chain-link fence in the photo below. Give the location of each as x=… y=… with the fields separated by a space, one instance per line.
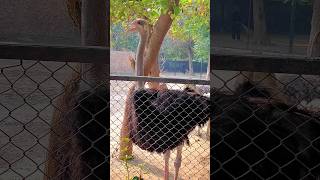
x=28 y=89
x=253 y=135
x=269 y=128
x=173 y=113
x=33 y=92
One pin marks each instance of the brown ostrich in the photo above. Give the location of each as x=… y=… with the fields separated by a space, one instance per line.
x=141 y=26
x=77 y=143
x=144 y=29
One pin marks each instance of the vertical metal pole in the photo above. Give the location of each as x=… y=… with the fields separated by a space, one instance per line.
x=94 y=32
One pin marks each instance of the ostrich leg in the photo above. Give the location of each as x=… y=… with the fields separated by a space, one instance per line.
x=177 y=162
x=166 y=164
x=208 y=131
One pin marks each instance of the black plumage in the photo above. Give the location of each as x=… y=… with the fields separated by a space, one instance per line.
x=91 y=118
x=254 y=137
x=162 y=120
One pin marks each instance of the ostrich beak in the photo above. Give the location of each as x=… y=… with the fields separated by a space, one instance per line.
x=132 y=27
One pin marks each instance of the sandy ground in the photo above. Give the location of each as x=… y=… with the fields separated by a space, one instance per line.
x=278 y=43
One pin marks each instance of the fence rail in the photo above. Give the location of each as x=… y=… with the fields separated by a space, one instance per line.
x=57 y=53
x=266 y=63
x=221 y=61
x=159 y=79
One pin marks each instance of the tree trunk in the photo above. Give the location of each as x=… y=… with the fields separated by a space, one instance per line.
x=260 y=37
x=190 y=56
x=222 y=16
x=314 y=40
x=259 y=23
x=208 y=69
x=292 y=25
x=160 y=30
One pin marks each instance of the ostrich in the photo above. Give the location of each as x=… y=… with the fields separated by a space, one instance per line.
x=77 y=143
x=160 y=120
x=141 y=26
x=259 y=138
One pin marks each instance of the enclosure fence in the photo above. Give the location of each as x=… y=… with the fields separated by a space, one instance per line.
x=32 y=80
x=270 y=130
x=281 y=142
x=163 y=124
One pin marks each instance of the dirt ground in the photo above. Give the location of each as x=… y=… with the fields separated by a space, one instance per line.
x=278 y=44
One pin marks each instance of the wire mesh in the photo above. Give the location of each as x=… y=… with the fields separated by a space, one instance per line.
x=270 y=130
x=253 y=138
x=195 y=157
x=29 y=92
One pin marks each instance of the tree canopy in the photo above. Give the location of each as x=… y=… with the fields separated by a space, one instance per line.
x=190 y=19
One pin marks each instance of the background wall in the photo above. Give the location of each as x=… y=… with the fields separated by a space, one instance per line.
x=37 y=21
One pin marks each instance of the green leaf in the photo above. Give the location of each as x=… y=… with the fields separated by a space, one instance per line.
x=136 y=178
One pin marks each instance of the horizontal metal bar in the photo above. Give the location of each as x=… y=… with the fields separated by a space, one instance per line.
x=266 y=63
x=159 y=79
x=42 y=52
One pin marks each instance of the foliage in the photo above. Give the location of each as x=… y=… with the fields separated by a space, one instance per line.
x=128 y=10
x=172 y=49
x=191 y=22
x=121 y=40
x=127 y=166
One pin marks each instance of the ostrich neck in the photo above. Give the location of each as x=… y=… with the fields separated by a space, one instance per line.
x=139 y=57
x=141 y=48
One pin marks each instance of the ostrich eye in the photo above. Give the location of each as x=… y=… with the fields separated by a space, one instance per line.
x=140 y=22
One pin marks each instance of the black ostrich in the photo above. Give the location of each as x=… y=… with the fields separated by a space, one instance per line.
x=91 y=118
x=257 y=138
x=161 y=120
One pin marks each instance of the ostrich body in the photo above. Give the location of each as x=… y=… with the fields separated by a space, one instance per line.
x=259 y=138
x=160 y=121
x=163 y=119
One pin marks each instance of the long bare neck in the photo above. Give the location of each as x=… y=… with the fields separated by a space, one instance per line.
x=139 y=57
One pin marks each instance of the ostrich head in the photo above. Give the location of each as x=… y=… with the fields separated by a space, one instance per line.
x=139 y=25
